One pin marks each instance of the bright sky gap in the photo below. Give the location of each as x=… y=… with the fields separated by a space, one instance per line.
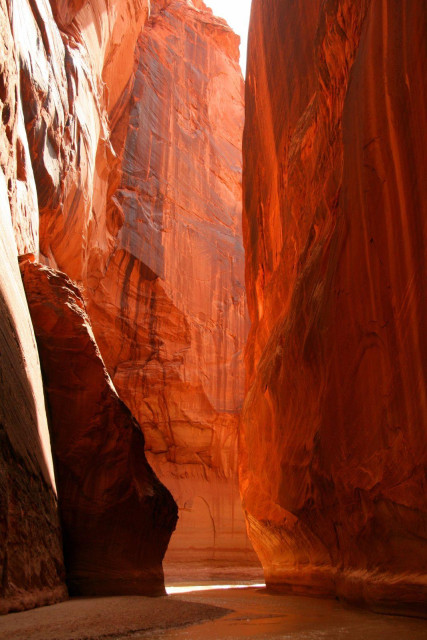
x=236 y=13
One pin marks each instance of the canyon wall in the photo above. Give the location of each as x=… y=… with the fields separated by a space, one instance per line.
x=162 y=268
x=31 y=560
x=176 y=279
x=59 y=87
x=121 y=152
x=334 y=435
x=116 y=515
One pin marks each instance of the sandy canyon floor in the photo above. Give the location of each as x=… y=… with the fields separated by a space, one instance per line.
x=219 y=614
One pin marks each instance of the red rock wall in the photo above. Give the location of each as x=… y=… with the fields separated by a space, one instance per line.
x=127 y=161
x=335 y=422
x=162 y=267
x=116 y=516
x=180 y=269
x=31 y=561
x=59 y=93
x=71 y=94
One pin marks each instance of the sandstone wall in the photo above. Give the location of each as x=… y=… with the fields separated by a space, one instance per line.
x=162 y=263
x=65 y=69
x=116 y=516
x=334 y=424
x=31 y=560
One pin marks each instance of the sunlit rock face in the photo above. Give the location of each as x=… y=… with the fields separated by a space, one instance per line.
x=116 y=516
x=136 y=149
x=167 y=298
x=76 y=68
x=31 y=561
x=335 y=421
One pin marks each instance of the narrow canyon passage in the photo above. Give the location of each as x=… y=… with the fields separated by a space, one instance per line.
x=213 y=356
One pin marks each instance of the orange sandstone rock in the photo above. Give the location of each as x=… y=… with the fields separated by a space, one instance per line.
x=74 y=74
x=31 y=561
x=166 y=294
x=59 y=92
x=161 y=260
x=334 y=434
x=116 y=516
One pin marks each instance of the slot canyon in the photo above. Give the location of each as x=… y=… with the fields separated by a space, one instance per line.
x=213 y=355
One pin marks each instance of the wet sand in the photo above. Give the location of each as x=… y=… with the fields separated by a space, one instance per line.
x=232 y=614
x=98 y=618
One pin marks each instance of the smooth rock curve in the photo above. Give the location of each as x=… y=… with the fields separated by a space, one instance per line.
x=116 y=516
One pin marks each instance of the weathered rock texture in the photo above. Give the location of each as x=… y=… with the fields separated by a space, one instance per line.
x=116 y=516
x=335 y=421
x=162 y=263
x=122 y=158
x=31 y=562
x=65 y=69
x=75 y=73
x=172 y=294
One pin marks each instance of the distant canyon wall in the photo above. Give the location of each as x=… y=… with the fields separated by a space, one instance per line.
x=334 y=436
x=175 y=279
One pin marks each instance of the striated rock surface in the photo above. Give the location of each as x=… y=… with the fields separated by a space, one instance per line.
x=333 y=469
x=31 y=561
x=168 y=305
x=123 y=169
x=66 y=70
x=162 y=264
x=116 y=516
x=76 y=66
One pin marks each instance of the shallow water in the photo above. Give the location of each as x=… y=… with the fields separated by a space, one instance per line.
x=220 y=614
x=258 y=615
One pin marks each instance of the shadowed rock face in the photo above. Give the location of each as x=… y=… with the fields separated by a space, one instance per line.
x=116 y=516
x=31 y=561
x=334 y=425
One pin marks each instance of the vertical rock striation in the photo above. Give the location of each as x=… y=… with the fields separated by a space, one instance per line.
x=335 y=421
x=116 y=516
x=121 y=152
x=31 y=561
x=175 y=285
x=162 y=266
x=76 y=67
x=60 y=89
